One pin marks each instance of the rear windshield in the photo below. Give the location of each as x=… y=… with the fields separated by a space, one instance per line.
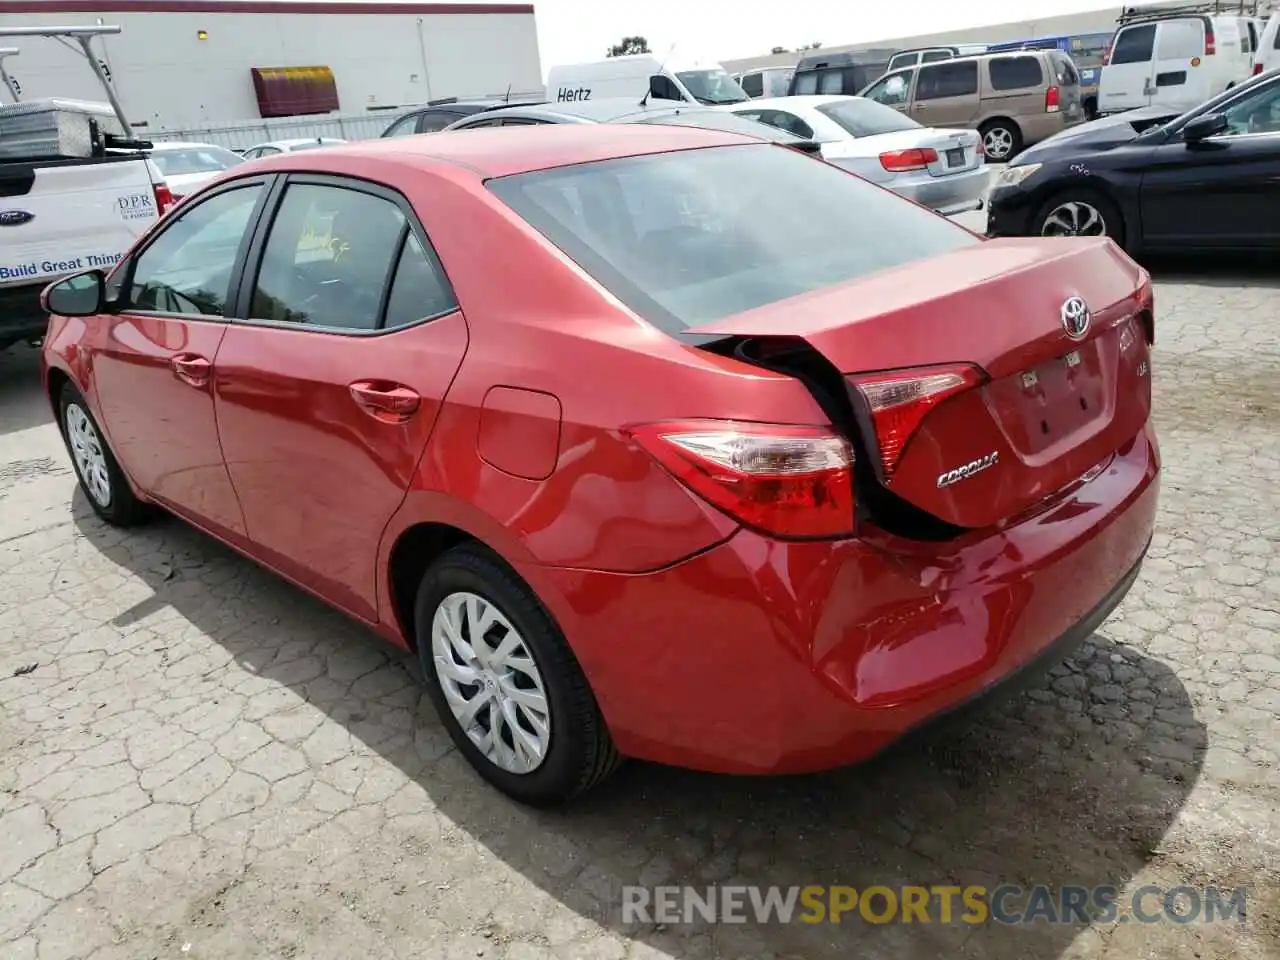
x=728 y=122
x=185 y=160
x=866 y=118
x=689 y=237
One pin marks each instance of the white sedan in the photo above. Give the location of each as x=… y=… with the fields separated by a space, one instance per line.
x=186 y=166
x=941 y=169
x=288 y=146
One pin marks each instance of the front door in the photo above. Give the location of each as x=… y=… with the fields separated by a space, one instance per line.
x=1223 y=191
x=946 y=94
x=153 y=359
x=327 y=392
x=1128 y=79
x=892 y=90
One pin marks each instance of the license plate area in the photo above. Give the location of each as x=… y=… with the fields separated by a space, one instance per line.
x=955 y=157
x=1053 y=400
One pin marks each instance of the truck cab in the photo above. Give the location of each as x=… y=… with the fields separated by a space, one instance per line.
x=644 y=75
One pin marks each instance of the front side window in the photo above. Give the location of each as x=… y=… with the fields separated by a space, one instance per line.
x=712 y=86
x=956 y=78
x=1257 y=113
x=891 y=90
x=1134 y=44
x=866 y=118
x=187 y=268
x=1015 y=73
x=688 y=237
x=404 y=127
x=327 y=258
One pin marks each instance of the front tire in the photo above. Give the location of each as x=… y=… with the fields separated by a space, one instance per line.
x=1080 y=213
x=505 y=683
x=103 y=482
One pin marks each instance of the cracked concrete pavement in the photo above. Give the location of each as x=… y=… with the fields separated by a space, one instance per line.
x=205 y=763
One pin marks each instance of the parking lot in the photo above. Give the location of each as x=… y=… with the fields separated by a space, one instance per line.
x=197 y=760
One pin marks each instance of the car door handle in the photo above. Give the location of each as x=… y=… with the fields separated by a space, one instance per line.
x=385 y=401
x=191 y=369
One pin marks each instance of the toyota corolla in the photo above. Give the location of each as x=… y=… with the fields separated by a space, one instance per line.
x=648 y=441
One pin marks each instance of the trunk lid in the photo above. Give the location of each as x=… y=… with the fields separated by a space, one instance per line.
x=1051 y=407
x=957 y=150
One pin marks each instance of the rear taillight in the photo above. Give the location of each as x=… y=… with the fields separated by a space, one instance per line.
x=788 y=481
x=982 y=151
x=1106 y=55
x=899 y=400
x=899 y=161
x=1052 y=100
x=1210 y=42
x=1257 y=69
x=1145 y=297
x=164 y=198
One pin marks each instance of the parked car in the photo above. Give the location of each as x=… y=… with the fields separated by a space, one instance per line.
x=186 y=166
x=1267 y=55
x=915 y=56
x=731 y=470
x=766 y=82
x=626 y=110
x=1155 y=181
x=1012 y=99
x=438 y=114
x=942 y=169
x=838 y=73
x=692 y=80
x=288 y=146
x=1173 y=60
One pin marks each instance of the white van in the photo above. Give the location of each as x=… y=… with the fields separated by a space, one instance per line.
x=914 y=56
x=640 y=74
x=1267 y=56
x=1174 y=61
x=765 y=82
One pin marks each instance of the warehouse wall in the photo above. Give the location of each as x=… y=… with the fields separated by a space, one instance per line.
x=169 y=78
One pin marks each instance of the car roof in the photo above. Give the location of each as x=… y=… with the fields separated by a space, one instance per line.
x=598 y=111
x=183 y=145
x=483 y=104
x=294 y=141
x=784 y=103
x=504 y=151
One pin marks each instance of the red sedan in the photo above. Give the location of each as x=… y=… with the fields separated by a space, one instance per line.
x=650 y=441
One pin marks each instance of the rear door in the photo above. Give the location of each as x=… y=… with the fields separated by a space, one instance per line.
x=1182 y=75
x=946 y=94
x=329 y=387
x=1128 y=79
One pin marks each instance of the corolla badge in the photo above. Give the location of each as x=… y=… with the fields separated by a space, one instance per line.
x=967 y=470
x=15 y=218
x=1075 y=318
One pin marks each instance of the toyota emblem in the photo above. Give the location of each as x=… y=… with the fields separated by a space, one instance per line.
x=1075 y=318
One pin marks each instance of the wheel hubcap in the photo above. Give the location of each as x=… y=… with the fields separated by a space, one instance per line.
x=998 y=143
x=87 y=452
x=1074 y=219
x=491 y=682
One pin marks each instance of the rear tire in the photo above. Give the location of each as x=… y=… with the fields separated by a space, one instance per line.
x=532 y=725
x=1001 y=140
x=103 y=482
x=1080 y=213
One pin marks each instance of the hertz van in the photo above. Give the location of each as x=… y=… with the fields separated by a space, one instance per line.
x=640 y=74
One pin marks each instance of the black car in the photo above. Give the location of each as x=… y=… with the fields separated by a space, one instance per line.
x=1152 y=181
x=438 y=114
x=629 y=110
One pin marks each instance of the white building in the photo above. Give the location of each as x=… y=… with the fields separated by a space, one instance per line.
x=200 y=64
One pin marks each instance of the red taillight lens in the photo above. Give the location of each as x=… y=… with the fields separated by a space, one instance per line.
x=1210 y=41
x=982 y=151
x=164 y=198
x=785 y=480
x=1052 y=100
x=899 y=161
x=1257 y=69
x=1106 y=55
x=899 y=400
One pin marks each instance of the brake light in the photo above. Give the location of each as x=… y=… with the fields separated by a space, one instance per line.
x=1210 y=42
x=982 y=151
x=1146 y=300
x=1257 y=69
x=1052 y=100
x=164 y=198
x=900 y=161
x=789 y=481
x=899 y=400
x=1106 y=55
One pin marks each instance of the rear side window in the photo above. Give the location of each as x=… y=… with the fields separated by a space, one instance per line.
x=831 y=81
x=866 y=118
x=689 y=237
x=806 y=83
x=753 y=84
x=1134 y=44
x=948 y=79
x=404 y=127
x=1180 y=40
x=435 y=120
x=1015 y=73
x=785 y=121
x=1064 y=70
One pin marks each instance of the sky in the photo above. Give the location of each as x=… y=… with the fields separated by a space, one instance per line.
x=571 y=31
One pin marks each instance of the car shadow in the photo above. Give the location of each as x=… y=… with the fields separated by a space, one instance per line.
x=1073 y=782
x=22 y=401
x=1214 y=270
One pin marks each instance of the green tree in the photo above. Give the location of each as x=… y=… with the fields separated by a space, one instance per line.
x=629 y=46
x=779 y=50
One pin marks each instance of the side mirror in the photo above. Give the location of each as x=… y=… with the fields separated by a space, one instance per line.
x=1203 y=127
x=80 y=295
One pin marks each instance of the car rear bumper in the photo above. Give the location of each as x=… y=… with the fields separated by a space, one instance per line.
x=948 y=195
x=760 y=656
x=21 y=317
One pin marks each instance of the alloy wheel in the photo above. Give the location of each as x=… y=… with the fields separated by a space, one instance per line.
x=90 y=458
x=1075 y=218
x=998 y=143
x=491 y=682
